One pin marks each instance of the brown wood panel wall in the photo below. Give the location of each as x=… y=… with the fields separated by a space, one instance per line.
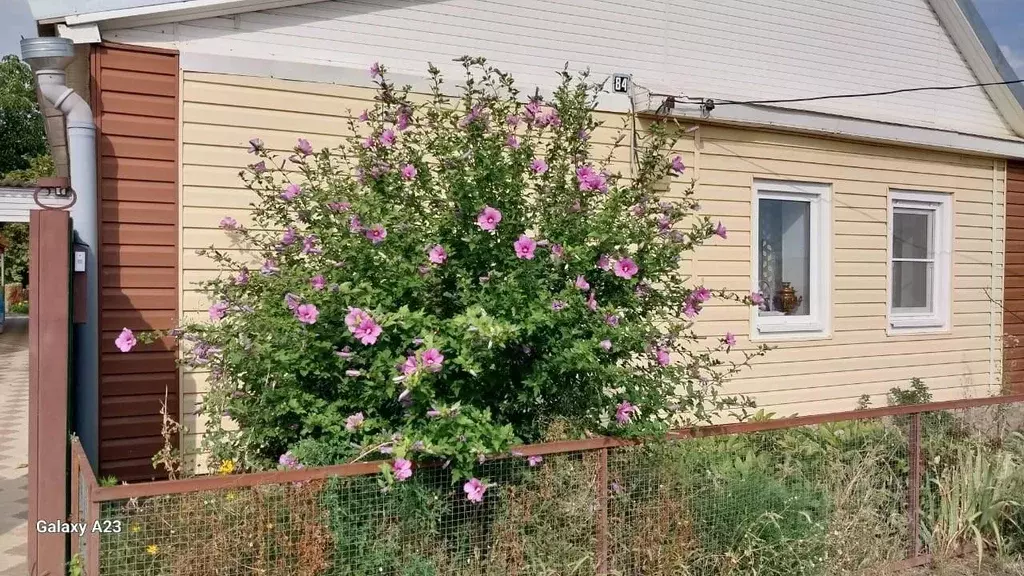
x=136 y=102
x=1013 y=312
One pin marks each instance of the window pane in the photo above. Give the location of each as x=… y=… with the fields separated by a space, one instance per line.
x=784 y=259
x=912 y=286
x=911 y=234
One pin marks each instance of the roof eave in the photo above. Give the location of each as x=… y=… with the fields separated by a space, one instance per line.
x=983 y=56
x=171 y=12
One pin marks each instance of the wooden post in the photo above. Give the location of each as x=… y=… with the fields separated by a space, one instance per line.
x=914 y=487
x=49 y=350
x=602 y=512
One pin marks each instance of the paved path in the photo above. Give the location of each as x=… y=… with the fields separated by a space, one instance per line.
x=13 y=446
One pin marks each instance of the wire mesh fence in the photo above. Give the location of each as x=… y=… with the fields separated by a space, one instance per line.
x=812 y=499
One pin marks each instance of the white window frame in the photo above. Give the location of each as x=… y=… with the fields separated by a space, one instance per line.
x=938 y=320
x=818 y=322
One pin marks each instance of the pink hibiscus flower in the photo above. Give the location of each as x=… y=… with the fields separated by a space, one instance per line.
x=402 y=469
x=437 y=255
x=524 y=247
x=488 y=219
x=408 y=172
x=125 y=340
x=538 y=166
x=218 y=310
x=304 y=147
x=318 y=282
x=376 y=234
x=432 y=360
x=306 y=313
x=581 y=283
x=353 y=422
x=625 y=268
x=729 y=339
x=228 y=223
x=474 y=490
x=624 y=412
x=291 y=192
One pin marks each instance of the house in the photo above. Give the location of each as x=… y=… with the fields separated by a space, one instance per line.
x=881 y=227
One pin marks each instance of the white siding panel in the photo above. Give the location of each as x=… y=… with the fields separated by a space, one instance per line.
x=725 y=49
x=15 y=204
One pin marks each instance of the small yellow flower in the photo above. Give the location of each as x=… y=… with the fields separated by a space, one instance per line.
x=152 y=549
x=226 y=467
x=230 y=496
x=135 y=528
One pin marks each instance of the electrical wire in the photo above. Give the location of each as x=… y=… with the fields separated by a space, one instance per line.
x=853 y=95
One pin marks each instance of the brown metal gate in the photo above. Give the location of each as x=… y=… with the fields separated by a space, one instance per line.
x=135 y=102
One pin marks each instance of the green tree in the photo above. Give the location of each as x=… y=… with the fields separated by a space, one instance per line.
x=21 y=123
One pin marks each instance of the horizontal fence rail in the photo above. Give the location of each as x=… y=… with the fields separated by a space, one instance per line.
x=808 y=491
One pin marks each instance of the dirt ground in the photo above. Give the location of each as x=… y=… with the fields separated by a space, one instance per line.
x=969 y=567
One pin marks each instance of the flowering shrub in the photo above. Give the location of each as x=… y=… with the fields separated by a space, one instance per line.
x=456 y=277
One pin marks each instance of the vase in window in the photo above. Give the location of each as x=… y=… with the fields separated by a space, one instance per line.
x=788 y=300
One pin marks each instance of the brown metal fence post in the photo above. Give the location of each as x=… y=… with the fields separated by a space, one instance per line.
x=602 y=512
x=49 y=347
x=914 y=487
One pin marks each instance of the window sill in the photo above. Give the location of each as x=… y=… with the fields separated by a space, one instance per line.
x=789 y=331
x=917 y=325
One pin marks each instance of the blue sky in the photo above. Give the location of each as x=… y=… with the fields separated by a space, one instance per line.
x=1004 y=17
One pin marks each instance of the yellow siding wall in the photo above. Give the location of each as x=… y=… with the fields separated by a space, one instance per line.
x=221 y=113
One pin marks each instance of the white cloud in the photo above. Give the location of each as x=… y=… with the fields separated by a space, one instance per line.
x=1016 y=60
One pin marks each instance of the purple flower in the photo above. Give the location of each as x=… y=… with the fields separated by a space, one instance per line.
x=557 y=305
x=604 y=263
x=288 y=238
x=689 y=311
x=437 y=255
x=228 y=223
x=387 y=138
x=611 y=320
x=474 y=490
x=304 y=147
x=624 y=412
x=557 y=251
x=364 y=116
x=259 y=167
x=591 y=180
x=354 y=225
x=288 y=460
x=488 y=218
x=524 y=247
x=756 y=298
x=408 y=171
x=339 y=206
x=592 y=302
x=318 y=282
x=402 y=122
x=352 y=373
x=255 y=145
x=377 y=234
x=662 y=356
x=402 y=469
x=410 y=366
x=533 y=107
x=729 y=339
x=512 y=120
x=362 y=326
x=701 y=295
x=625 y=268
x=720 y=230
x=538 y=166
x=309 y=245
x=581 y=283
x=269 y=268
x=218 y=310
x=375 y=70
x=125 y=340
x=534 y=460
x=606 y=344
x=353 y=422
x=291 y=192
x=583 y=135
x=367 y=142
x=433 y=413
x=307 y=313
x=432 y=360
x=615 y=488
x=664 y=223
x=512 y=142
x=243 y=277
x=344 y=353
x=677 y=165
